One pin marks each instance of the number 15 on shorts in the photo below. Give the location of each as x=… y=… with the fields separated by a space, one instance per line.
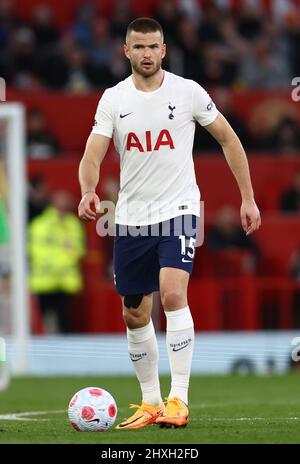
x=187 y=250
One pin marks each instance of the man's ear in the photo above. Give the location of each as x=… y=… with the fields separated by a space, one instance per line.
x=126 y=51
x=164 y=50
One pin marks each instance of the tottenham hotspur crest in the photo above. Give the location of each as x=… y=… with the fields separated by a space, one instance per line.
x=171 y=108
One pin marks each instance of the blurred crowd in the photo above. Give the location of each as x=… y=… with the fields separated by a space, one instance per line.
x=210 y=42
x=222 y=47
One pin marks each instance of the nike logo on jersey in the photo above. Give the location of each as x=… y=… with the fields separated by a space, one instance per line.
x=186 y=260
x=124 y=115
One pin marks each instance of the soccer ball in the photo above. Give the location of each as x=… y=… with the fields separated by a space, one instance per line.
x=92 y=409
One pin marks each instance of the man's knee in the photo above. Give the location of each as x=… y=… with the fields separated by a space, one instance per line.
x=134 y=315
x=135 y=319
x=173 y=299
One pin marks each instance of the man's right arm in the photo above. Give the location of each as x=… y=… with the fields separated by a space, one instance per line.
x=95 y=150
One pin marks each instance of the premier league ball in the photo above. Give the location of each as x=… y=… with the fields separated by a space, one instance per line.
x=92 y=409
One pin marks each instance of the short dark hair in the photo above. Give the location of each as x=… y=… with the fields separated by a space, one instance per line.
x=144 y=25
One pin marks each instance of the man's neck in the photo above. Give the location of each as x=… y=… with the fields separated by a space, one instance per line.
x=148 y=84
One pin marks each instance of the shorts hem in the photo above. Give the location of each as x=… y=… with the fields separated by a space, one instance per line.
x=177 y=266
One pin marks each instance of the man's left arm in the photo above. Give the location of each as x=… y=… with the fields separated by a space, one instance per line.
x=236 y=158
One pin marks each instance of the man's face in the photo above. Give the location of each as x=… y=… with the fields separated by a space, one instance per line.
x=145 y=52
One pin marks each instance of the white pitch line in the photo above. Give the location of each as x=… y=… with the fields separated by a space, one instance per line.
x=23 y=416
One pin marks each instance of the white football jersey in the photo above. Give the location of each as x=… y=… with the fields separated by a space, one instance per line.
x=153 y=133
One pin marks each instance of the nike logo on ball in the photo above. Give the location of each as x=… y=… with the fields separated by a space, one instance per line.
x=124 y=115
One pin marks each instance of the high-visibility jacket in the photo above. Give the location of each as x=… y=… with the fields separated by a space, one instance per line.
x=55 y=245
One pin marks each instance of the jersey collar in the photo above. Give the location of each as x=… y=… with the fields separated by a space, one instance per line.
x=149 y=94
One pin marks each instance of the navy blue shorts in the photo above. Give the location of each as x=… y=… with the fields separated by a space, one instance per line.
x=140 y=253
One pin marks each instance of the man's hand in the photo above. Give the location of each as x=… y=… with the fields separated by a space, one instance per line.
x=89 y=206
x=250 y=217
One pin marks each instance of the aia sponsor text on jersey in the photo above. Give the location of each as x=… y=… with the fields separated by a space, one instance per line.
x=149 y=142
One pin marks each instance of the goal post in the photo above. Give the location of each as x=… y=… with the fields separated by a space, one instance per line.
x=12 y=117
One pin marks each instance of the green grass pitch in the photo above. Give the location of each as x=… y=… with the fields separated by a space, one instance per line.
x=229 y=409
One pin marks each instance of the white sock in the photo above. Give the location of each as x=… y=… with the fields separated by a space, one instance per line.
x=180 y=345
x=143 y=352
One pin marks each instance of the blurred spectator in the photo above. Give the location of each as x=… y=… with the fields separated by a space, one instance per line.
x=82 y=27
x=189 y=49
x=38 y=196
x=40 y=142
x=78 y=72
x=53 y=67
x=263 y=66
x=70 y=68
x=290 y=20
x=227 y=235
x=21 y=61
x=250 y=20
x=290 y=200
x=45 y=31
x=210 y=25
x=9 y=22
x=223 y=100
x=167 y=14
x=100 y=50
x=120 y=67
x=190 y=8
x=285 y=137
x=121 y=17
x=56 y=245
x=220 y=47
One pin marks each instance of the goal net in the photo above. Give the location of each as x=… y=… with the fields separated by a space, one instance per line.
x=14 y=310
